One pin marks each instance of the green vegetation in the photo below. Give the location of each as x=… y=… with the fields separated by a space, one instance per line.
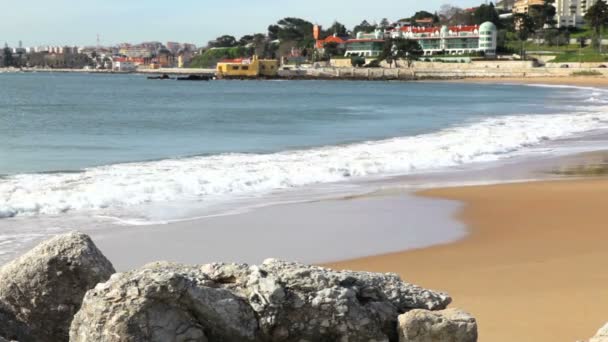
x=597 y=18
x=485 y=13
x=295 y=30
x=581 y=33
x=586 y=73
x=573 y=57
x=209 y=58
x=7 y=59
x=357 y=61
x=396 y=49
x=532 y=32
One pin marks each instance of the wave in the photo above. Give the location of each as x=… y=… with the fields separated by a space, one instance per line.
x=219 y=177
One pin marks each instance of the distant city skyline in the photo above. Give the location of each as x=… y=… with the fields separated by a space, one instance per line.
x=69 y=22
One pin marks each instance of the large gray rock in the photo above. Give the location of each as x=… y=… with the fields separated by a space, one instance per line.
x=163 y=302
x=276 y=301
x=450 y=325
x=44 y=288
x=601 y=336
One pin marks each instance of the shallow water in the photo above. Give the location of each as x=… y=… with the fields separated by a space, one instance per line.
x=113 y=143
x=96 y=151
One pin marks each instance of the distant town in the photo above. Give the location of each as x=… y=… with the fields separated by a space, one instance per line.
x=569 y=30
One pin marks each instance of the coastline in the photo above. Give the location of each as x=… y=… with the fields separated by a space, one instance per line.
x=586 y=81
x=537 y=75
x=529 y=244
x=533 y=261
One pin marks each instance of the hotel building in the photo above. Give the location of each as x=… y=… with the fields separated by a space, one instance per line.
x=453 y=40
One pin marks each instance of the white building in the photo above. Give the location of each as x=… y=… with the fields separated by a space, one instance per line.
x=571 y=12
x=453 y=40
x=125 y=66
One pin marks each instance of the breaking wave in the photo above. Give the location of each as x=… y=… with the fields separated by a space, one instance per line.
x=218 y=177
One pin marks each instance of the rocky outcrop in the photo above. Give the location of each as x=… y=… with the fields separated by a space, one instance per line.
x=41 y=291
x=437 y=326
x=601 y=336
x=275 y=301
x=42 y=298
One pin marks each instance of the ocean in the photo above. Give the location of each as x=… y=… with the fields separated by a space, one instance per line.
x=139 y=151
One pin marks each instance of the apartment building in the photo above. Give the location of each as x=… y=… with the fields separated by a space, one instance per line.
x=570 y=13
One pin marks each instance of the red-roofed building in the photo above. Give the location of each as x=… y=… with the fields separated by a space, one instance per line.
x=320 y=43
x=365 y=45
x=453 y=40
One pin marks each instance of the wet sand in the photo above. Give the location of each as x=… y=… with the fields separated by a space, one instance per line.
x=583 y=81
x=310 y=232
x=533 y=267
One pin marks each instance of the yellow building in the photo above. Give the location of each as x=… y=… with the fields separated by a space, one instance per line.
x=523 y=6
x=247 y=68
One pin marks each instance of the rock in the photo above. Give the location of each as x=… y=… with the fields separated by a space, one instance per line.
x=601 y=336
x=163 y=302
x=437 y=326
x=276 y=301
x=44 y=288
x=11 y=327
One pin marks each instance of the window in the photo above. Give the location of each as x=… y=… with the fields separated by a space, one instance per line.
x=263 y=67
x=235 y=67
x=245 y=67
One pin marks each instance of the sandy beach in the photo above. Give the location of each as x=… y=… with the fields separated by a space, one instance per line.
x=532 y=268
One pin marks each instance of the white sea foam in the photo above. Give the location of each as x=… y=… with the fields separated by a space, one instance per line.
x=213 y=178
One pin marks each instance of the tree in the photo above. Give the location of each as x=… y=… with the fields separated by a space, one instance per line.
x=422 y=15
x=384 y=23
x=524 y=27
x=486 y=13
x=407 y=49
x=294 y=30
x=337 y=29
x=400 y=48
x=331 y=49
x=364 y=27
x=223 y=42
x=597 y=18
x=8 y=57
x=543 y=15
x=245 y=40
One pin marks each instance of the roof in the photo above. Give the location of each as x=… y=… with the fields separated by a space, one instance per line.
x=458 y=28
x=331 y=39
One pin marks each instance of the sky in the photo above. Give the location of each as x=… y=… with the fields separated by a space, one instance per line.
x=78 y=22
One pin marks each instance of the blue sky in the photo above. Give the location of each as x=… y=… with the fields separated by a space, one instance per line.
x=77 y=22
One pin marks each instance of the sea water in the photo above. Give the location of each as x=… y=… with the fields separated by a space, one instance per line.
x=138 y=150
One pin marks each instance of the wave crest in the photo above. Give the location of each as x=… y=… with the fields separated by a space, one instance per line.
x=222 y=176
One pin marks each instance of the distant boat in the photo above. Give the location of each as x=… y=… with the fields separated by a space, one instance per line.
x=163 y=77
x=195 y=78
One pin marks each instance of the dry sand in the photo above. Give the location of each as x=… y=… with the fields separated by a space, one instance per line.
x=534 y=266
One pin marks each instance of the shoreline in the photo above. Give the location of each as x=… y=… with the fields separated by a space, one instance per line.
x=516 y=238
x=480 y=75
